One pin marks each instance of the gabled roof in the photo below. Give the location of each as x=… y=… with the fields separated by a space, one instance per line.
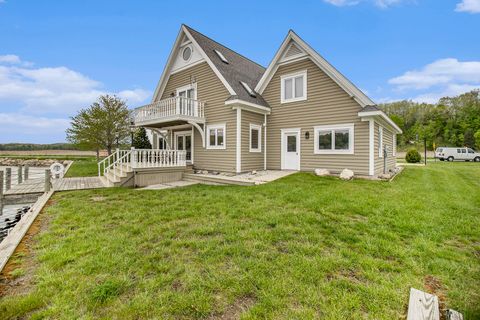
x=373 y=111
x=238 y=69
x=323 y=64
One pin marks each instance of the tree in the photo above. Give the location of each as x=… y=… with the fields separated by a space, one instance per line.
x=140 y=139
x=103 y=125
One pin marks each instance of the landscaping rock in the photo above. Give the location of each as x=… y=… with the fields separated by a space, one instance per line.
x=254 y=172
x=346 y=174
x=204 y=172
x=385 y=176
x=13 y=162
x=322 y=172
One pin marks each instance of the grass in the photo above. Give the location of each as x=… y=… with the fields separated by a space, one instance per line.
x=301 y=247
x=83 y=166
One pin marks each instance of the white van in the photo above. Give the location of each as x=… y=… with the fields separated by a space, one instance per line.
x=451 y=154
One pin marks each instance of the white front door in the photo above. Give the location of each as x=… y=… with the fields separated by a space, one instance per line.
x=291 y=149
x=183 y=141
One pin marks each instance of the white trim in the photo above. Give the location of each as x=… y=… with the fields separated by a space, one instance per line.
x=242 y=103
x=239 y=142
x=323 y=64
x=184 y=133
x=292 y=76
x=371 y=147
x=259 y=129
x=332 y=128
x=283 y=132
x=383 y=116
x=188 y=87
x=187 y=66
x=216 y=126
x=265 y=142
x=380 y=141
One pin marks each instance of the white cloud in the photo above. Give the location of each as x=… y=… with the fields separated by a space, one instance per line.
x=379 y=3
x=56 y=90
x=441 y=78
x=9 y=58
x=471 y=6
x=37 y=102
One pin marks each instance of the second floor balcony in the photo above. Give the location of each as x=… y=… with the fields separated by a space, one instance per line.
x=170 y=111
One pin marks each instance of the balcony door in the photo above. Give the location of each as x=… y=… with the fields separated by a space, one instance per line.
x=184 y=141
x=188 y=97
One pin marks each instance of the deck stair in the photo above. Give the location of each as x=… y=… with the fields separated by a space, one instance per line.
x=117 y=169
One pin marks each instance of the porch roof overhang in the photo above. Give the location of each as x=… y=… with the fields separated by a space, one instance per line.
x=249 y=106
x=169 y=121
x=381 y=117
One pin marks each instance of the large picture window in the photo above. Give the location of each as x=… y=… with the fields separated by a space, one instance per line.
x=216 y=136
x=294 y=87
x=255 y=138
x=334 y=139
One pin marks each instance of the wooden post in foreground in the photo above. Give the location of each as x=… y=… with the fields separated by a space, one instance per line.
x=25 y=176
x=48 y=184
x=8 y=179
x=19 y=174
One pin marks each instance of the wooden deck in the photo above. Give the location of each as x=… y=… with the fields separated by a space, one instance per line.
x=62 y=184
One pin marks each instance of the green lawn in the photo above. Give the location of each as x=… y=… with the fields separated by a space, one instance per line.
x=302 y=247
x=83 y=166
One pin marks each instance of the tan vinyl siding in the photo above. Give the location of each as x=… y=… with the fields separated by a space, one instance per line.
x=251 y=160
x=326 y=104
x=210 y=90
x=387 y=140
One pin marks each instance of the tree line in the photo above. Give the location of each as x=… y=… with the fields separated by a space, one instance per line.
x=452 y=122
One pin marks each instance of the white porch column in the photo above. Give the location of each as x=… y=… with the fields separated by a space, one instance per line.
x=371 y=147
x=239 y=141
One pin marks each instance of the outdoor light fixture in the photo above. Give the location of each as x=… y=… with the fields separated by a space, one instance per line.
x=307 y=135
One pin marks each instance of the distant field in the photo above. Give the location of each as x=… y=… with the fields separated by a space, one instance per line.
x=47 y=152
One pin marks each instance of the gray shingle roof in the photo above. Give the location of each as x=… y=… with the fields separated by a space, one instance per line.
x=238 y=68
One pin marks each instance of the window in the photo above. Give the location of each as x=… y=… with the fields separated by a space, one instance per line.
x=470 y=150
x=294 y=87
x=162 y=143
x=464 y=151
x=394 y=151
x=380 y=141
x=255 y=138
x=216 y=136
x=334 y=139
x=459 y=151
x=221 y=56
x=187 y=53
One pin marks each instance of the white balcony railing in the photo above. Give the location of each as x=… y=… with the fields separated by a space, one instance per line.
x=169 y=108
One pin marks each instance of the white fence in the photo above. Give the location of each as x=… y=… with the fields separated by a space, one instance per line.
x=125 y=160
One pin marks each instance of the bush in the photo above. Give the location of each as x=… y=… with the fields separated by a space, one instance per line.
x=413 y=156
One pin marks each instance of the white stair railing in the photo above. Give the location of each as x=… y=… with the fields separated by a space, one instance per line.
x=122 y=161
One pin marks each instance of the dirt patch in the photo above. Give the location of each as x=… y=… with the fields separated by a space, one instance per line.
x=349 y=274
x=435 y=287
x=98 y=199
x=13 y=282
x=235 y=310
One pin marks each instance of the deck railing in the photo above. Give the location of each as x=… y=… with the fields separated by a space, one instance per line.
x=124 y=160
x=174 y=106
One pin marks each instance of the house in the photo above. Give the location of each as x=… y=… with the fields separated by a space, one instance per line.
x=223 y=112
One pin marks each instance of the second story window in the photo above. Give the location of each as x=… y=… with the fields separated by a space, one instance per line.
x=294 y=87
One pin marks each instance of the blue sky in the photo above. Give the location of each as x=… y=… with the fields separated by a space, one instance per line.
x=58 y=56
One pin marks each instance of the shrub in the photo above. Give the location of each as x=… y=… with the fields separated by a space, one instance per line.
x=413 y=156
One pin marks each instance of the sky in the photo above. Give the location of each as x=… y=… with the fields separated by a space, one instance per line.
x=57 y=57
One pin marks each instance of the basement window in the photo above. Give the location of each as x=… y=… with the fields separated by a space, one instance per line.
x=221 y=56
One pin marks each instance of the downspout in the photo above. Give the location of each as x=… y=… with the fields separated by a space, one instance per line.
x=265 y=142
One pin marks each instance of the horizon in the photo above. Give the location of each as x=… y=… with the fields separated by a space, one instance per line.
x=57 y=58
